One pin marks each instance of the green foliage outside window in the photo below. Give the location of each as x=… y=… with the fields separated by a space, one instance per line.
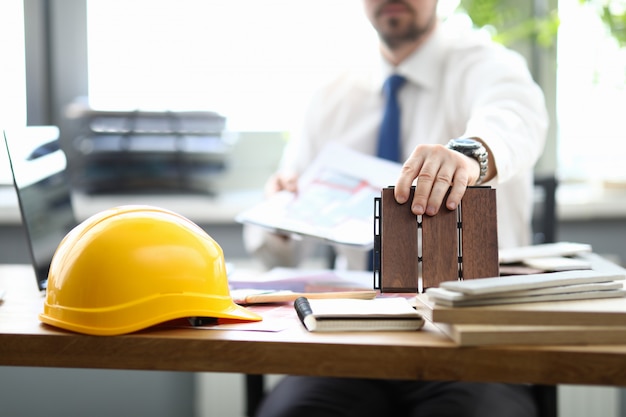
x=509 y=23
x=613 y=15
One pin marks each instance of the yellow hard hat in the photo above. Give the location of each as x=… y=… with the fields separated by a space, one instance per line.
x=132 y=267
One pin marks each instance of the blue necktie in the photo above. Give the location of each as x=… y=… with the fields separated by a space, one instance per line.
x=389 y=136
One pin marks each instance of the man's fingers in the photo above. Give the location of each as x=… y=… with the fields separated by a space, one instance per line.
x=456 y=194
x=438 y=171
x=280 y=182
x=409 y=172
x=438 y=192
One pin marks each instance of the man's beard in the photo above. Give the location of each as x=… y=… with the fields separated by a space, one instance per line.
x=397 y=37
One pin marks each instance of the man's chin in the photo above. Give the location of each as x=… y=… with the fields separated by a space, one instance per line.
x=395 y=32
x=394 y=37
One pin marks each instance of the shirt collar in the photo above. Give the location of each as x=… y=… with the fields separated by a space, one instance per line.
x=422 y=67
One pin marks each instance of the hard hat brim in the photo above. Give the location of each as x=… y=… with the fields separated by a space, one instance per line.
x=145 y=313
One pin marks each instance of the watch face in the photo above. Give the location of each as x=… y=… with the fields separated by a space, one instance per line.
x=467 y=143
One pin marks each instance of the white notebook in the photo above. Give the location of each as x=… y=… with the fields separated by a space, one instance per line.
x=349 y=315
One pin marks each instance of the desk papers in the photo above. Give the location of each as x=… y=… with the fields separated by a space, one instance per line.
x=335 y=199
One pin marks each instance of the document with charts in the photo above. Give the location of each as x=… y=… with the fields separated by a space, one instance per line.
x=335 y=199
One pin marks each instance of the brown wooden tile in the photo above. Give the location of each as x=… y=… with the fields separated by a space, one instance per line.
x=440 y=242
x=440 y=248
x=398 y=233
x=479 y=243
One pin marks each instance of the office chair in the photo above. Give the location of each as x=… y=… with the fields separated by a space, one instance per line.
x=544 y=219
x=545 y=396
x=255 y=391
x=544 y=229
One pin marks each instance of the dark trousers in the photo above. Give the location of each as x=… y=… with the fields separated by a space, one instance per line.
x=301 y=396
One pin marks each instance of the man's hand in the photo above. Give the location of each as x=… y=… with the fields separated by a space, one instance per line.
x=281 y=182
x=436 y=168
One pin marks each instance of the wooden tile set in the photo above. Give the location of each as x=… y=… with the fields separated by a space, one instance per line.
x=453 y=244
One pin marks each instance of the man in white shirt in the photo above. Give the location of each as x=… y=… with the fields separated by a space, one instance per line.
x=456 y=86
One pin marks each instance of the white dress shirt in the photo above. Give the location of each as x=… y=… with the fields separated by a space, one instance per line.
x=458 y=85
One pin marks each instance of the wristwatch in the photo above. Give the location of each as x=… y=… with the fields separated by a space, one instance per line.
x=473 y=149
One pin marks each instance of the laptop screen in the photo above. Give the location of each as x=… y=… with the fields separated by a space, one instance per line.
x=39 y=173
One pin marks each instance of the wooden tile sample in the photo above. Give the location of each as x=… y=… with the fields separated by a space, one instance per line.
x=440 y=248
x=398 y=249
x=493 y=334
x=479 y=243
x=599 y=312
x=470 y=231
x=504 y=285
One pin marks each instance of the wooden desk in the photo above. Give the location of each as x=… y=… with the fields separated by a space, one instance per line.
x=426 y=354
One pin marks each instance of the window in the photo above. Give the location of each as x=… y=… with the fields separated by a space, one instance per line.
x=591 y=97
x=13 y=80
x=255 y=62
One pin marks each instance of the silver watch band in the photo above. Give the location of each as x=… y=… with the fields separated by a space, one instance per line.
x=474 y=149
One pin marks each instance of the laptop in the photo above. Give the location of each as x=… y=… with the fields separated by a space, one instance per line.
x=43 y=192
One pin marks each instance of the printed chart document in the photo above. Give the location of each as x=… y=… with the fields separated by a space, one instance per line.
x=349 y=315
x=335 y=199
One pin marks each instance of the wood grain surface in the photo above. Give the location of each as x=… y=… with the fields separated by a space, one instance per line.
x=425 y=354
